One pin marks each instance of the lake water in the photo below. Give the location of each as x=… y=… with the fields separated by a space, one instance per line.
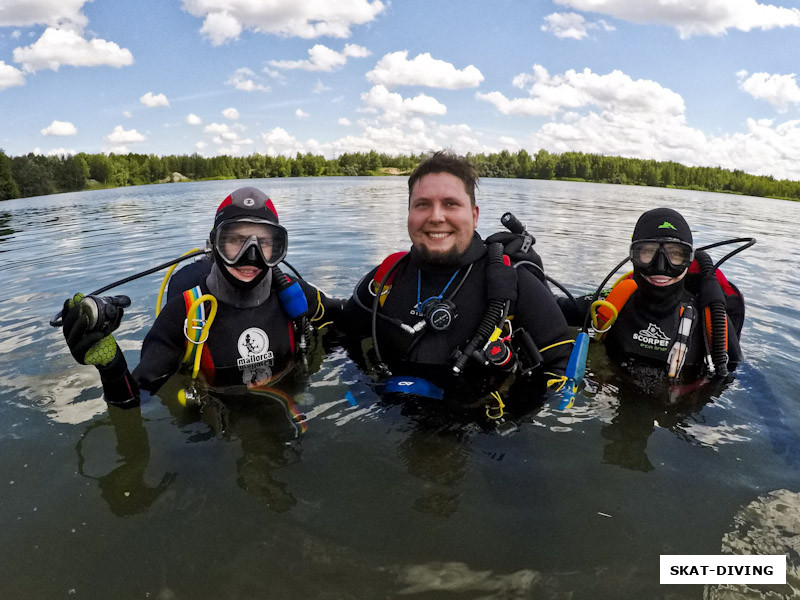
x=368 y=501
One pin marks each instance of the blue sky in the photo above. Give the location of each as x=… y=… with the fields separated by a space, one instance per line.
x=700 y=82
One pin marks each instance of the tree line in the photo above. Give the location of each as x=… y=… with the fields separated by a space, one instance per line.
x=37 y=175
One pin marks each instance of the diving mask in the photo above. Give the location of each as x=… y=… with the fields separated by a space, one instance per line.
x=251 y=238
x=661 y=256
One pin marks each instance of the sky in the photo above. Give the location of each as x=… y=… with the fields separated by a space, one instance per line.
x=699 y=82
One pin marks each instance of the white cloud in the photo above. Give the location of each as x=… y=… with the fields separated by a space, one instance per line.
x=193 y=119
x=244 y=79
x=23 y=13
x=509 y=141
x=154 y=100
x=414 y=138
x=322 y=58
x=395 y=69
x=320 y=87
x=200 y=145
x=395 y=106
x=416 y=124
x=60 y=128
x=615 y=92
x=58 y=47
x=121 y=136
x=615 y=115
x=61 y=152
x=779 y=90
x=217 y=128
x=226 y=140
x=531 y=107
x=10 y=76
x=126 y=113
x=221 y=27
x=707 y=17
x=344 y=121
x=571 y=25
x=230 y=113
x=300 y=114
x=121 y=149
x=763 y=149
x=225 y=19
x=273 y=74
x=279 y=141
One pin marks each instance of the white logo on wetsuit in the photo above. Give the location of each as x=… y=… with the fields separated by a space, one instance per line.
x=256 y=357
x=652 y=337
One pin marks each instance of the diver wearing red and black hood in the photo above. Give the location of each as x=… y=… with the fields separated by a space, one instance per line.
x=248 y=208
x=252 y=339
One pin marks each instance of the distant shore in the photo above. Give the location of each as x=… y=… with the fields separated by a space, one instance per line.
x=37 y=175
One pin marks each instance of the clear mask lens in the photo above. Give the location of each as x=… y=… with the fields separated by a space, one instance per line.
x=234 y=239
x=677 y=254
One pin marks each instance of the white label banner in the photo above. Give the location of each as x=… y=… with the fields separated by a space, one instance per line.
x=722 y=568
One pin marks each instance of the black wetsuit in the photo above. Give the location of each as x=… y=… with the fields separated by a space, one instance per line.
x=646 y=333
x=429 y=354
x=244 y=345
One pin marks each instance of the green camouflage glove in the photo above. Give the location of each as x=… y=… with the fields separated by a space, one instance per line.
x=88 y=348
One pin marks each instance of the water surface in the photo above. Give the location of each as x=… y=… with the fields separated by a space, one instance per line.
x=374 y=501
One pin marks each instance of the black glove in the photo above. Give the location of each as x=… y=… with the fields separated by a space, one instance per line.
x=512 y=247
x=87 y=347
x=334 y=307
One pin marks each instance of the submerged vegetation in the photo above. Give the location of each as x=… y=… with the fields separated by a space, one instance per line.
x=37 y=175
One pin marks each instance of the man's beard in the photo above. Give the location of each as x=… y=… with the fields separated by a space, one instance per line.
x=443 y=259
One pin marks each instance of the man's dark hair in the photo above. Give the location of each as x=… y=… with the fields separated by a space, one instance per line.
x=445 y=161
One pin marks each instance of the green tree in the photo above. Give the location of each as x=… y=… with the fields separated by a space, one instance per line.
x=99 y=167
x=73 y=173
x=544 y=165
x=33 y=175
x=524 y=164
x=8 y=187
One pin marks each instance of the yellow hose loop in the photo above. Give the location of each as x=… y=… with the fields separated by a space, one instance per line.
x=619 y=279
x=498 y=410
x=593 y=311
x=561 y=343
x=557 y=380
x=203 y=332
x=320 y=312
x=166 y=279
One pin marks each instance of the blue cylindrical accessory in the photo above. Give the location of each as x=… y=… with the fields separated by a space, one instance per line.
x=576 y=367
x=293 y=300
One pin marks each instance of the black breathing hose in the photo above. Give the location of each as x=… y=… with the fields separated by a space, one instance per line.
x=491 y=318
x=719 y=322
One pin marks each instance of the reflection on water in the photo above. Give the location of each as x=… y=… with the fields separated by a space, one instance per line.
x=330 y=492
x=123 y=487
x=770 y=525
x=459 y=578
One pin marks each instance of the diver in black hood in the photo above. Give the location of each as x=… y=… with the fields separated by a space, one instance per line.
x=662 y=312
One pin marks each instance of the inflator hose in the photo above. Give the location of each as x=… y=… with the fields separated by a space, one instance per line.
x=491 y=318
x=719 y=322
